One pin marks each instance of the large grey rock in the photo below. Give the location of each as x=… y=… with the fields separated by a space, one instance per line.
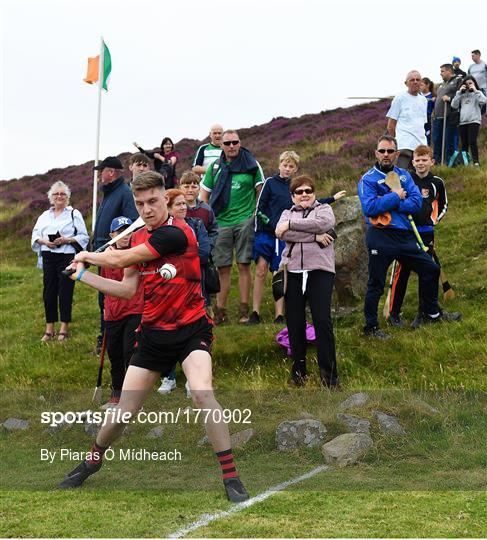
x=350 y=251
x=59 y=426
x=389 y=424
x=13 y=424
x=354 y=423
x=156 y=433
x=292 y=434
x=355 y=400
x=238 y=439
x=346 y=449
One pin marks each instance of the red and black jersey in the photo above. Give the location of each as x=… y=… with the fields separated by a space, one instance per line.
x=116 y=309
x=435 y=202
x=170 y=304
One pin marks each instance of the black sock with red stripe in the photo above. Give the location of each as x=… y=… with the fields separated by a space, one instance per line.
x=97 y=452
x=225 y=457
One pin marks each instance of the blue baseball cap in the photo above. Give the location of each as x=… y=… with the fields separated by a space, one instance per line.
x=120 y=222
x=456 y=59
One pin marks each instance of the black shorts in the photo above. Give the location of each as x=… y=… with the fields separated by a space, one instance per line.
x=161 y=350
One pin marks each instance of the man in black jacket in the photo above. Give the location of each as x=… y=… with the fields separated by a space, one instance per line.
x=117 y=201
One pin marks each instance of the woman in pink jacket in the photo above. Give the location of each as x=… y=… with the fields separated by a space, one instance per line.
x=310 y=259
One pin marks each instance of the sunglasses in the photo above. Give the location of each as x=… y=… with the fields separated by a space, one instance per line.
x=307 y=190
x=59 y=194
x=386 y=151
x=231 y=143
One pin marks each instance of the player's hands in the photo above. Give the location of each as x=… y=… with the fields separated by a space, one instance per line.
x=446 y=99
x=77 y=267
x=81 y=256
x=339 y=194
x=46 y=242
x=159 y=156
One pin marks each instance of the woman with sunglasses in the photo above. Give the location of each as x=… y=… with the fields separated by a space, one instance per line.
x=56 y=233
x=310 y=260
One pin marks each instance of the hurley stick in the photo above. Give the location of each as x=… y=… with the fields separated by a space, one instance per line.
x=386 y=310
x=448 y=292
x=137 y=224
x=98 y=390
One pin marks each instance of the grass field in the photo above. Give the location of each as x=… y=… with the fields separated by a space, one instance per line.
x=430 y=483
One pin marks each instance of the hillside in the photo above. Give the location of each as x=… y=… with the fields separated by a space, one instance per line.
x=334 y=145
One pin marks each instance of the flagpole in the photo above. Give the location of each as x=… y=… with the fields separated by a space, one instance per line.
x=97 y=148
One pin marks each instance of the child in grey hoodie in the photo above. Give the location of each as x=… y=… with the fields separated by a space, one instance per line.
x=470 y=100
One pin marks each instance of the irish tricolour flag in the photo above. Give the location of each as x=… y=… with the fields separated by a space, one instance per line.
x=99 y=67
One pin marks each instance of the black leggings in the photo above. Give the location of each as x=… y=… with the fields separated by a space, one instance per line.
x=57 y=286
x=318 y=293
x=468 y=136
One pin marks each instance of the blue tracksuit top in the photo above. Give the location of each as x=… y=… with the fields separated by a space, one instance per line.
x=274 y=198
x=376 y=198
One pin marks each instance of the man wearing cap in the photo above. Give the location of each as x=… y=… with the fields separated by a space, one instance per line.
x=456 y=67
x=117 y=201
x=406 y=118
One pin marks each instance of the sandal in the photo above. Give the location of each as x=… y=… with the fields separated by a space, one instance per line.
x=63 y=336
x=48 y=336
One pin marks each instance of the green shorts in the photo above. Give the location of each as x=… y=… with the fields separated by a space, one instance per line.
x=239 y=237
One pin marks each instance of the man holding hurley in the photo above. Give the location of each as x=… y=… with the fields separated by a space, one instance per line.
x=174 y=325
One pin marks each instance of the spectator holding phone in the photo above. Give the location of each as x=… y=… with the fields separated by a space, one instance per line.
x=58 y=234
x=470 y=100
x=310 y=260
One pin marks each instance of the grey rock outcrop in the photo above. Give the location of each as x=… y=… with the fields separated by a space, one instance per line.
x=350 y=251
x=238 y=439
x=292 y=434
x=389 y=424
x=354 y=423
x=346 y=449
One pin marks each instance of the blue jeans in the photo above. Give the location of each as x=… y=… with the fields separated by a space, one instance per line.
x=438 y=139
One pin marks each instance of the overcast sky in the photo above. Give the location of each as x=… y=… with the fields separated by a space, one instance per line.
x=179 y=66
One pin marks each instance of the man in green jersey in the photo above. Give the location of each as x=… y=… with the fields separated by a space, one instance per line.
x=231 y=186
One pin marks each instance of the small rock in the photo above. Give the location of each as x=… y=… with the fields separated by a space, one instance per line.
x=203 y=441
x=354 y=423
x=355 y=400
x=236 y=439
x=41 y=398
x=291 y=434
x=12 y=424
x=241 y=437
x=187 y=410
x=389 y=424
x=52 y=430
x=156 y=433
x=346 y=449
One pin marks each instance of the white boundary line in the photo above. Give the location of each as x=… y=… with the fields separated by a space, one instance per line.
x=205 y=519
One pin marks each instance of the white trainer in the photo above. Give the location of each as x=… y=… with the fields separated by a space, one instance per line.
x=167 y=386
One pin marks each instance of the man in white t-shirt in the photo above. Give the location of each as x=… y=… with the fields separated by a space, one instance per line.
x=479 y=70
x=406 y=119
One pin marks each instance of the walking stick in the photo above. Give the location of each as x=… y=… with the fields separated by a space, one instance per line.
x=444 y=133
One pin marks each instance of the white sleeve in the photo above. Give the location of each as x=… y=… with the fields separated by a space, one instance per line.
x=395 y=108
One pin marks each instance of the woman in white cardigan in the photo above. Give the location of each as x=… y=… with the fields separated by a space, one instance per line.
x=57 y=234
